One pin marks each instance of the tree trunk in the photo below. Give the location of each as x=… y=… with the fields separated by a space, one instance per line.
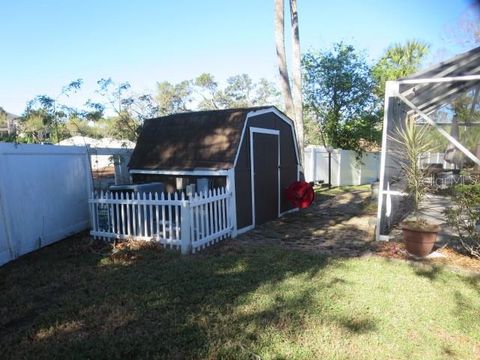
x=281 y=56
x=297 y=77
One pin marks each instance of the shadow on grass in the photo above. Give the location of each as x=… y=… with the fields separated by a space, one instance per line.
x=74 y=301
x=359 y=326
x=430 y=272
x=465 y=310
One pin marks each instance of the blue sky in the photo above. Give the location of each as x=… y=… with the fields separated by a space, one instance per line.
x=48 y=43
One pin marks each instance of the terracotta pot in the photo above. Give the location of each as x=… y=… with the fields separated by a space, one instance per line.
x=419 y=242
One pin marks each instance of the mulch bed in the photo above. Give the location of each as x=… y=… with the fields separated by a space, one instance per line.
x=449 y=256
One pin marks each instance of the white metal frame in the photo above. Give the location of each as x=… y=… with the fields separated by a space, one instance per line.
x=392 y=90
x=439 y=79
x=256 y=130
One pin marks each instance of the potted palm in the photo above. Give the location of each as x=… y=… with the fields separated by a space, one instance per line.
x=418 y=234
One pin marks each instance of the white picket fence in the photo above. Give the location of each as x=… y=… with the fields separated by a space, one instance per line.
x=189 y=224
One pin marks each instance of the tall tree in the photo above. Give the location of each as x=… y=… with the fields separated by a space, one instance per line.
x=173 y=98
x=240 y=91
x=45 y=116
x=129 y=110
x=398 y=61
x=338 y=97
x=205 y=93
x=207 y=89
x=292 y=98
x=297 y=75
x=282 y=56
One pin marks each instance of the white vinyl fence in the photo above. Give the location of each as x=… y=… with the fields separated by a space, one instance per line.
x=189 y=224
x=345 y=168
x=44 y=193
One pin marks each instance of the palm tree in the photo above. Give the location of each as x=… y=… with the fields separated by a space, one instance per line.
x=297 y=76
x=398 y=61
x=292 y=99
x=282 y=57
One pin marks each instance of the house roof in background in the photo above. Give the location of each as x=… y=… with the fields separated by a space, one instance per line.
x=192 y=140
x=10 y=116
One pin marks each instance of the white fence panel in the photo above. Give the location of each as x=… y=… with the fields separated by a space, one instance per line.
x=349 y=169
x=140 y=216
x=371 y=168
x=43 y=196
x=435 y=158
x=5 y=253
x=316 y=165
x=189 y=224
x=345 y=168
x=210 y=218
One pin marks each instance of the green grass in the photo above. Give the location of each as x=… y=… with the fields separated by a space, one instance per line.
x=72 y=301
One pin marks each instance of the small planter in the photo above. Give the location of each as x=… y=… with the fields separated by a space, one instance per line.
x=419 y=238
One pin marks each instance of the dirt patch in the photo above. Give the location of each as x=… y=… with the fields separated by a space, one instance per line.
x=335 y=226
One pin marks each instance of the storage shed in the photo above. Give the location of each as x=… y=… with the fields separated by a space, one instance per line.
x=251 y=151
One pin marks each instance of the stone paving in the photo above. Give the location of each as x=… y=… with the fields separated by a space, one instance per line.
x=335 y=226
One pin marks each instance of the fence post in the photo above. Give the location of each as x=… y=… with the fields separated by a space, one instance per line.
x=313 y=170
x=186 y=240
x=232 y=203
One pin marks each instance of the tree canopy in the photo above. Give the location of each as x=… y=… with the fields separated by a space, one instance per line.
x=205 y=93
x=399 y=60
x=339 y=98
x=342 y=99
x=119 y=114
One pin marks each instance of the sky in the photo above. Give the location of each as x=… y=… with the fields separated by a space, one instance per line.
x=48 y=43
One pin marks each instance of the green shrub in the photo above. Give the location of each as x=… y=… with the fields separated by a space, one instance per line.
x=464 y=215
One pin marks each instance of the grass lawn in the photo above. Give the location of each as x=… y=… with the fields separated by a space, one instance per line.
x=73 y=300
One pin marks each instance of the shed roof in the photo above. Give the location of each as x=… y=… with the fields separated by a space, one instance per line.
x=192 y=140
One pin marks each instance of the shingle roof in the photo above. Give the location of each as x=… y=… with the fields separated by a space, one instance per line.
x=192 y=140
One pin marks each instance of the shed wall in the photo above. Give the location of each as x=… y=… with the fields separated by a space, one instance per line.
x=288 y=166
